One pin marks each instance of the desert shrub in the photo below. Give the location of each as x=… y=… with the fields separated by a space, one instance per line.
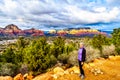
x=109 y=50
x=53 y=60
x=8 y=69
x=73 y=58
x=91 y=53
x=23 y=69
x=63 y=58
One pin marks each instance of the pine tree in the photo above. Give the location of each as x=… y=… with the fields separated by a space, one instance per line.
x=116 y=39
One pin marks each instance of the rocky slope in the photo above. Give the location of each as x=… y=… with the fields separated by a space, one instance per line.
x=99 y=69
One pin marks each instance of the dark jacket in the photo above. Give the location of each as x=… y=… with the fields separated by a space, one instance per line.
x=84 y=55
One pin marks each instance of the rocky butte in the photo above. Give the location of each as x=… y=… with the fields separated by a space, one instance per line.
x=14 y=31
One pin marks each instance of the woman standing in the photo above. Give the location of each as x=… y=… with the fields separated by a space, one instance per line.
x=81 y=59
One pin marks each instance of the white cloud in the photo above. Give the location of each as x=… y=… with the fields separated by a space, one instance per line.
x=10 y=8
x=78 y=15
x=35 y=13
x=100 y=9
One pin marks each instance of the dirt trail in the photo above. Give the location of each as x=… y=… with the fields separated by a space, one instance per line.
x=100 y=69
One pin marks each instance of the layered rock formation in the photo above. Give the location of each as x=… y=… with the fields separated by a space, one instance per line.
x=13 y=31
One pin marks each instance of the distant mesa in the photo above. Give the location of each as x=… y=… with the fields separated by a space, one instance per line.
x=12 y=30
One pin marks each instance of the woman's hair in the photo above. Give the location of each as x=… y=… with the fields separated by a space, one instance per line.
x=81 y=43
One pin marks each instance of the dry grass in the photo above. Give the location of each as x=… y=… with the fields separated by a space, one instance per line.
x=92 y=53
x=109 y=50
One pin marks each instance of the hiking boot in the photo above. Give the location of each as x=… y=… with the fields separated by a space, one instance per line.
x=82 y=77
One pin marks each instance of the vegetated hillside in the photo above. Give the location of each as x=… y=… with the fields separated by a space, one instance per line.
x=99 y=69
x=28 y=52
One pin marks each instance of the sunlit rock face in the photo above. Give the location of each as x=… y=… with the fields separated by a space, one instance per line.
x=14 y=31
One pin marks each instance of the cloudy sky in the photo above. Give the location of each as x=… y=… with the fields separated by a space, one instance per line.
x=59 y=14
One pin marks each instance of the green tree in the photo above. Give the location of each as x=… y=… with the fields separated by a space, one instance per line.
x=37 y=55
x=14 y=53
x=116 y=39
x=98 y=41
x=59 y=44
x=8 y=55
x=12 y=56
x=19 y=47
x=69 y=47
x=22 y=42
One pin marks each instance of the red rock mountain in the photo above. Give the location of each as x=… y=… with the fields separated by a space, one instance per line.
x=13 y=30
x=11 y=27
